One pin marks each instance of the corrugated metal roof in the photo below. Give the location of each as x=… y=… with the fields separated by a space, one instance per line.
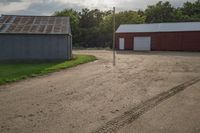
x=159 y=27
x=34 y=24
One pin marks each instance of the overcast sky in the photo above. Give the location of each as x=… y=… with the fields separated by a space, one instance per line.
x=48 y=7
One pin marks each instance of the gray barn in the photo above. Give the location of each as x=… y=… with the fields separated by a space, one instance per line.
x=35 y=38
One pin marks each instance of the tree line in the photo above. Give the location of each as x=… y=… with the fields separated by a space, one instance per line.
x=93 y=28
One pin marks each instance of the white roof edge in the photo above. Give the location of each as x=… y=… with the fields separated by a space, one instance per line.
x=159 y=27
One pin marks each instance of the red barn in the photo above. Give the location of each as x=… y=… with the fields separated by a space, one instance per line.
x=160 y=36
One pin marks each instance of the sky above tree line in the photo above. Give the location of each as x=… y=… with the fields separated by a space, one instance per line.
x=48 y=7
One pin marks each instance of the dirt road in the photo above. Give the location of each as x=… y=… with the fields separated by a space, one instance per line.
x=83 y=99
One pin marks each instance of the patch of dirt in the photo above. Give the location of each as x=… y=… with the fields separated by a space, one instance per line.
x=83 y=98
x=128 y=117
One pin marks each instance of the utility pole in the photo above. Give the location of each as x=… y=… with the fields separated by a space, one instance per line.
x=114 y=36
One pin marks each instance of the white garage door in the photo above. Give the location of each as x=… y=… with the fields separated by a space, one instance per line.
x=121 y=43
x=142 y=43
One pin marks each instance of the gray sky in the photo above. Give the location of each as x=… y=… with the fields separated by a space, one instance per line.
x=47 y=7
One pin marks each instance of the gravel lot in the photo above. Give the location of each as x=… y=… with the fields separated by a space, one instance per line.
x=84 y=98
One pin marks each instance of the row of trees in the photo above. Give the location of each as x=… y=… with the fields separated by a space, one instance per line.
x=93 y=28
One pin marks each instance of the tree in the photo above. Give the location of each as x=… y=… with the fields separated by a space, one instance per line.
x=74 y=21
x=191 y=10
x=125 y=17
x=90 y=18
x=90 y=27
x=93 y=28
x=161 y=12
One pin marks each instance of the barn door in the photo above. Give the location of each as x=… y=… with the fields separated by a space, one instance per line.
x=142 y=43
x=121 y=43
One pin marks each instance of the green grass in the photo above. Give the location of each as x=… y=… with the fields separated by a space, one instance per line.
x=10 y=72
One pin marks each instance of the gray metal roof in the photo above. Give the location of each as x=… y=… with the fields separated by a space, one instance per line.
x=159 y=27
x=34 y=25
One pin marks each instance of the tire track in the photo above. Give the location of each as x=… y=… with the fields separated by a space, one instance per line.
x=128 y=117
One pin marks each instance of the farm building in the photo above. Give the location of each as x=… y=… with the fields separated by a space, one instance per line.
x=35 y=38
x=161 y=36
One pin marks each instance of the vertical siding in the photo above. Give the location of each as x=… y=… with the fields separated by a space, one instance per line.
x=34 y=47
x=169 y=41
x=70 y=47
x=129 y=43
x=193 y=43
x=69 y=54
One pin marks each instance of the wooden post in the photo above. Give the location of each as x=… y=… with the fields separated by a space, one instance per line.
x=114 y=36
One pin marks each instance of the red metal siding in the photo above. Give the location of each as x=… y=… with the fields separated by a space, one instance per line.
x=129 y=43
x=156 y=42
x=168 y=41
x=191 y=41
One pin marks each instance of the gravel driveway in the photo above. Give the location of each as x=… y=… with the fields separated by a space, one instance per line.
x=84 y=98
